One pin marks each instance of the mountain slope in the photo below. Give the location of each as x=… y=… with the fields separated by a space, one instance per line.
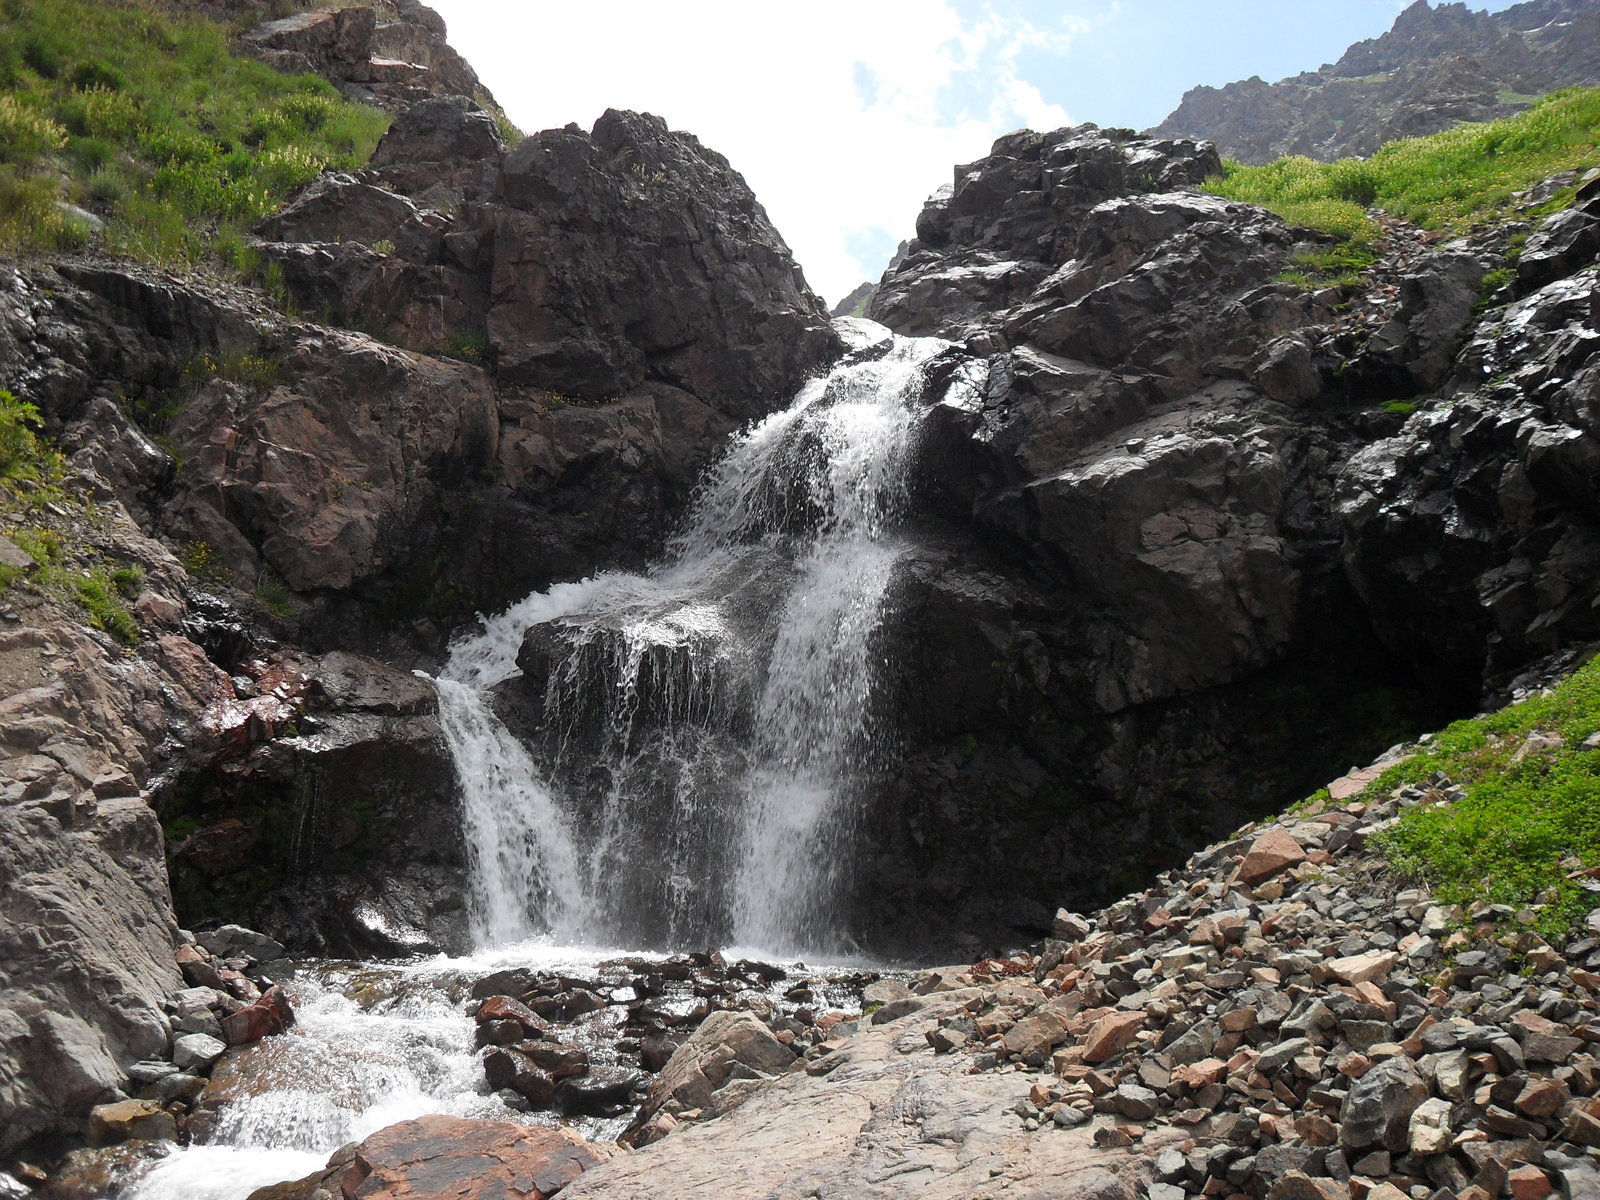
x=1437 y=67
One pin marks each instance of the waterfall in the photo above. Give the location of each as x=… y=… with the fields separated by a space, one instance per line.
x=696 y=738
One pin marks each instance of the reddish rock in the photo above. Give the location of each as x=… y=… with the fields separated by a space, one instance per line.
x=454 y=1158
x=268 y=1015
x=1110 y=1036
x=507 y=1008
x=1528 y=1182
x=1273 y=852
x=197 y=967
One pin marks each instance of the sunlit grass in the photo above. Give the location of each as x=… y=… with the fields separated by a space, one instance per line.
x=1531 y=815
x=152 y=125
x=1449 y=181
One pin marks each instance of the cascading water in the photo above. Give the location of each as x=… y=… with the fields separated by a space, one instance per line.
x=696 y=736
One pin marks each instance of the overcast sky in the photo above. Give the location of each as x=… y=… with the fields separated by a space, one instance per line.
x=844 y=115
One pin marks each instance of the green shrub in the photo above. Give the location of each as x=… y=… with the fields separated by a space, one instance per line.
x=1528 y=816
x=24 y=458
x=104 y=607
x=26 y=134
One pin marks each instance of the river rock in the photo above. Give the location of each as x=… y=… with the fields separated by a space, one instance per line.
x=127 y=1120
x=599 y=1091
x=506 y=1067
x=703 y=1064
x=268 y=1015
x=196 y=1050
x=448 y=1158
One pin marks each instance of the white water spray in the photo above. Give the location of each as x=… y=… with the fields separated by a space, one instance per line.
x=703 y=729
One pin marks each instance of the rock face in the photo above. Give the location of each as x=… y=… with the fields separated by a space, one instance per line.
x=1437 y=67
x=588 y=265
x=1181 y=521
x=388 y=52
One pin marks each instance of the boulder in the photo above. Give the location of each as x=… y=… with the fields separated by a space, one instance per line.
x=449 y=1158
x=130 y=1120
x=1377 y=1111
x=706 y=1061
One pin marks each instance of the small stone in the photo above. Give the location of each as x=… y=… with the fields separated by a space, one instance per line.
x=1359 y=968
x=1134 y=1102
x=1375 y=1164
x=1070 y=926
x=1429 y=1131
x=1068 y=1116
x=1297 y=1185
x=1528 y=1182
x=196 y=1050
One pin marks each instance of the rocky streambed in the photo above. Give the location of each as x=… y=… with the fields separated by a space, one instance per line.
x=1278 y=1019
x=277 y=1064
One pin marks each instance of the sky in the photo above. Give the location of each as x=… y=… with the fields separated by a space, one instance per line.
x=844 y=115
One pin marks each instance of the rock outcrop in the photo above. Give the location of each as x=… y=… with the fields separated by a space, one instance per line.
x=568 y=328
x=386 y=52
x=1182 y=521
x=1436 y=68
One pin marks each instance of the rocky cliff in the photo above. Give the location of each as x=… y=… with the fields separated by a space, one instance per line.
x=1200 y=536
x=489 y=366
x=1437 y=67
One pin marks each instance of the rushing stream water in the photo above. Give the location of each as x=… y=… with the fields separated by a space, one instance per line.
x=699 y=740
x=703 y=729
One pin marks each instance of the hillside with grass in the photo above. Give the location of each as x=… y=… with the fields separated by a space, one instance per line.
x=1450 y=182
x=1439 y=65
x=140 y=132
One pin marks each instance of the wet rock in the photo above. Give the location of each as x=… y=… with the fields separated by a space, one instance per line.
x=435 y=1157
x=196 y=1050
x=506 y=1067
x=600 y=1091
x=99 y=1174
x=268 y=1015
x=129 y=1120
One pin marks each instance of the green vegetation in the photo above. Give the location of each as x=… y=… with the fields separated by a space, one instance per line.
x=1447 y=181
x=101 y=601
x=117 y=113
x=1529 y=823
x=26 y=463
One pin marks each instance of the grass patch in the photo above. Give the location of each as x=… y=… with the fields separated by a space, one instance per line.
x=1449 y=181
x=102 y=603
x=1529 y=818
x=149 y=122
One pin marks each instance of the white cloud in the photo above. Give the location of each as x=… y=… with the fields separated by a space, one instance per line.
x=775 y=90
